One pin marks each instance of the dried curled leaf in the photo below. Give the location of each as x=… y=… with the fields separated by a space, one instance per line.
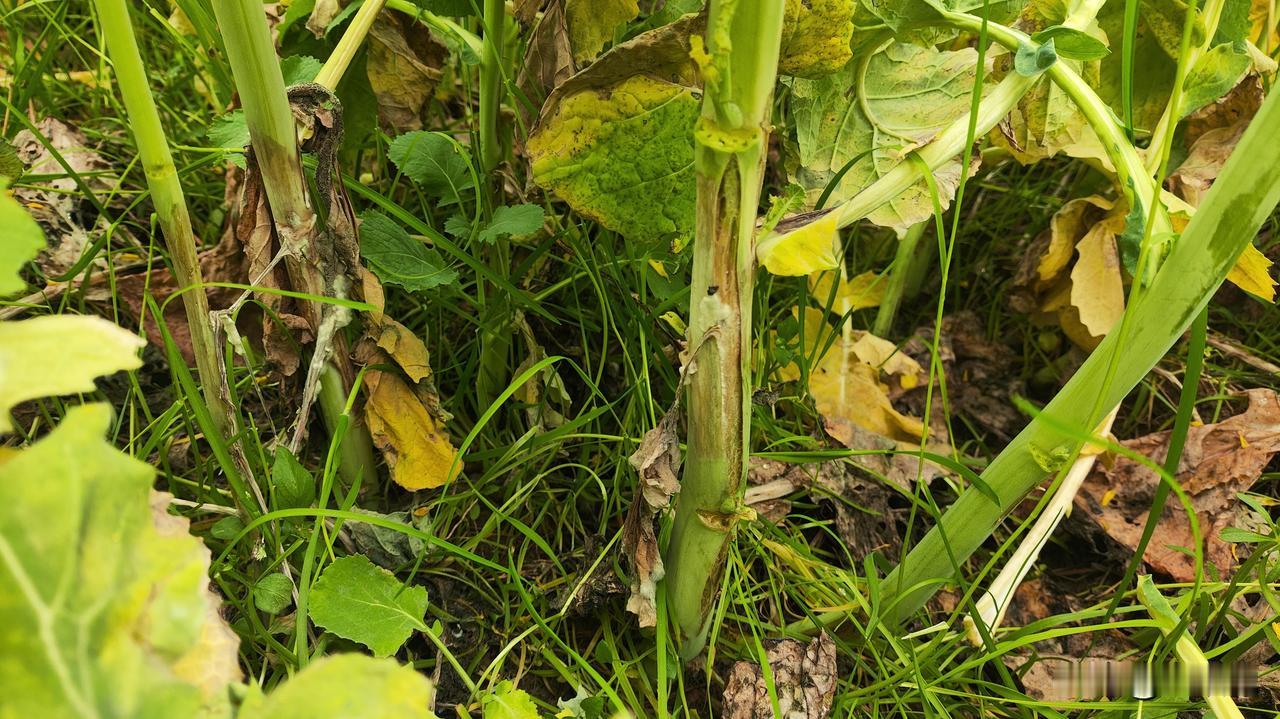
x=870 y=115
x=815 y=37
x=657 y=461
x=803 y=677
x=403 y=66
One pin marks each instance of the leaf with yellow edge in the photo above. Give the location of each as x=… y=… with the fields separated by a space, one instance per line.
x=815 y=37
x=813 y=247
x=57 y=355
x=1250 y=274
x=414 y=442
x=592 y=23
x=104 y=595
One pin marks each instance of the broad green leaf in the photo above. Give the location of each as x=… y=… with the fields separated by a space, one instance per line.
x=623 y=156
x=273 y=593
x=1073 y=44
x=104 y=596
x=1030 y=61
x=507 y=702
x=357 y=600
x=1214 y=74
x=229 y=131
x=57 y=355
x=398 y=259
x=1241 y=199
x=298 y=69
x=512 y=220
x=293 y=485
x=593 y=23
x=816 y=36
x=436 y=163
x=351 y=686
x=873 y=119
x=20 y=240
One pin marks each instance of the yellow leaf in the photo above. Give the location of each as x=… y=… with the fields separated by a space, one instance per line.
x=1250 y=274
x=1097 y=287
x=405 y=348
x=811 y=248
x=1066 y=228
x=865 y=290
x=856 y=395
x=414 y=443
x=885 y=356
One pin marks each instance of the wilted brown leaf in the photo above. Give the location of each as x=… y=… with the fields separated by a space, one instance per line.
x=321 y=15
x=1219 y=461
x=403 y=67
x=657 y=461
x=548 y=59
x=804 y=677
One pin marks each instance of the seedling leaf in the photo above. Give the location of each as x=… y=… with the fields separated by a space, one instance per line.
x=398 y=259
x=273 y=593
x=507 y=702
x=512 y=220
x=435 y=162
x=365 y=603
x=1072 y=44
x=1031 y=60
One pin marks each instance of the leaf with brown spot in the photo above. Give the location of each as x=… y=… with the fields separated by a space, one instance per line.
x=548 y=59
x=403 y=67
x=804 y=679
x=657 y=461
x=1219 y=461
x=592 y=23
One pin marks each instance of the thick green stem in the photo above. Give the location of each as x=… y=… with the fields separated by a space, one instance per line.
x=273 y=133
x=731 y=139
x=495 y=331
x=167 y=198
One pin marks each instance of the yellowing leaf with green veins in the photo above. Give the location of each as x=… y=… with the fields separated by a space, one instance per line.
x=73 y=350
x=352 y=686
x=815 y=37
x=863 y=291
x=104 y=595
x=358 y=600
x=1251 y=273
x=813 y=247
x=592 y=23
x=22 y=240
x=872 y=114
x=623 y=156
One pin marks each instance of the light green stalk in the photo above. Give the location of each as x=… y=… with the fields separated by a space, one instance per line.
x=168 y=199
x=1241 y=199
x=349 y=44
x=273 y=133
x=905 y=259
x=495 y=328
x=730 y=148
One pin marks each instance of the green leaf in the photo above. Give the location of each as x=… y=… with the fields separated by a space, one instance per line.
x=1234 y=24
x=273 y=593
x=1213 y=76
x=11 y=167
x=1030 y=61
x=623 y=156
x=357 y=600
x=458 y=226
x=21 y=241
x=105 y=597
x=398 y=259
x=592 y=23
x=507 y=702
x=438 y=164
x=351 y=686
x=226 y=528
x=293 y=484
x=384 y=546
x=816 y=36
x=72 y=350
x=1073 y=44
x=906 y=95
x=230 y=132
x=451 y=8
x=298 y=69
x=1237 y=535
x=513 y=220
